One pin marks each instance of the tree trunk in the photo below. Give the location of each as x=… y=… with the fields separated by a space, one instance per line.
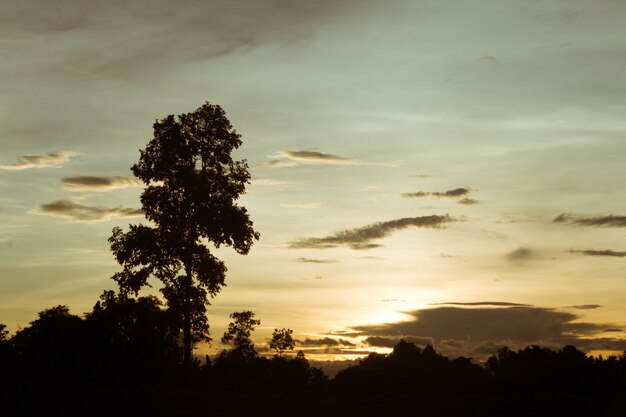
x=187 y=345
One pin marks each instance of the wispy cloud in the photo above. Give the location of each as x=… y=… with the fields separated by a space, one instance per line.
x=468 y=201
x=585 y=307
x=363 y=237
x=601 y=221
x=594 y=252
x=520 y=254
x=457 y=192
x=316 y=261
x=285 y=159
x=382 y=341
x=315 y=157
x=484 y=304
x=98 y=183
x=54 y=159
x=326 y=341
x=74 y=211
x=209 y=30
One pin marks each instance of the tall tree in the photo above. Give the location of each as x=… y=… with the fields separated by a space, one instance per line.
x=192 y=185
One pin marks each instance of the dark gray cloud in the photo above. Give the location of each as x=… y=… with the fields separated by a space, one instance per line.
x=326 y=342
x=316 y=261
x=517 y=324
x=601 y=221
x=315 y=156
x=520 y=254
x=70 y=210
x=484 y=304
x=480 y=331
x=478 y=324
x=98 y=183
x=204 y=29
x=457 y=192
x=286 y=159
x=382 y=341
x=595 y=252
x=585 y=306
x=468 y=201
x=54 y=159
x=362 y=237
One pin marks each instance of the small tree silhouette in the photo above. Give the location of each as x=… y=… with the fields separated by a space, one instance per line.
x=239 y=331
x=282 y=341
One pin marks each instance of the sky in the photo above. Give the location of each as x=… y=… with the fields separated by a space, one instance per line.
x=447 y=172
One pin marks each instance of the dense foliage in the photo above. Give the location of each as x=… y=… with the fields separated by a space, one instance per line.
x=192 y=184
x=123 y=358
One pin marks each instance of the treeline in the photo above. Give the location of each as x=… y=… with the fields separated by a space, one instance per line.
x=124 y=358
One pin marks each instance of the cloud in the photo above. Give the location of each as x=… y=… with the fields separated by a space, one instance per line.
x=484 y=304
x=325 y=342
x=458 y=330
x=98 y=183
x=468 y=201
x=602 y=221
x=457 y=192
x=381 y=341
x=520 y=254
x=316 y=261
x=54 y=159
x=362 y=237
x=204 y=30
x=285 y=159
x=594 y=252
x=585 y=306
x=315 y=157
x=70 y=210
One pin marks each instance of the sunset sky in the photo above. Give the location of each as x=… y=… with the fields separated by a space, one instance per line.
x=450 y=172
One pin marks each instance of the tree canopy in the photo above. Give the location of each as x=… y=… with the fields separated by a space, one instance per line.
x=192 y=185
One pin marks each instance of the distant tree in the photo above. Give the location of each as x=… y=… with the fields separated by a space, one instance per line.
x=133 y=333
x=192 y=184
x=3 y=333
x=282 y=341
x=239 y=331
x=52 y=344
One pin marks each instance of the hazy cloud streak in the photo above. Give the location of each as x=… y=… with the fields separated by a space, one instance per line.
x=70 y=210
x=594 y=252
x=602 y=221
x=362 y=237
x=98 y=183
x=484 y=304
x=457 y=192
x=316 y=261
x=54 y=159
x=286 y=159
x=326 y=341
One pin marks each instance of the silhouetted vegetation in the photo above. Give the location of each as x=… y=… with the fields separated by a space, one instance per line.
x=192 y=185
x=123 y=358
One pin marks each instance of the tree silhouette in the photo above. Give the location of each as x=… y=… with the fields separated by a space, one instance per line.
x=282 y=341
x=3 y=333
x=239 y=331
x=192 y=184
